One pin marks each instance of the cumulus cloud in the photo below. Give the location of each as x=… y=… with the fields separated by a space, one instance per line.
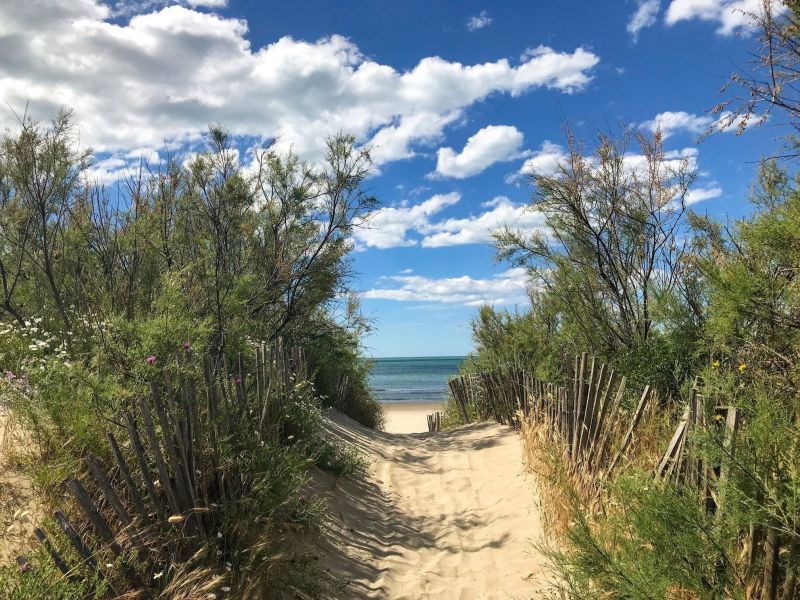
x=478 y=229
x=645 y=16
x=547 y=159
x=731 y=16
x=393 y=226
x=395 y=142
x=701 y=194
x=164 y=75
x=388 y=227
x=479 y=21
x=128 y=8
x=670 y=122
x=505 y=288
x=492 y=144
x=544 y=161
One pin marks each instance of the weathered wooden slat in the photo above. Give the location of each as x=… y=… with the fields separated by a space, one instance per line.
x=672 y=448
x=59 y=562
x=107 y=489
x=583 y=429
x=93 y=514
x=598 y=423
x=133 y=490
x=593 y=394
x=138 y=449
x=179 y=483
x=611 y=419
x=155 y=450
x=629 y=434
x=82 y=549
x=728 y=441
x=579 y=395
x=113 y=499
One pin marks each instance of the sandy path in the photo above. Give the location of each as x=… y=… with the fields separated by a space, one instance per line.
x=408 y=417
x=20 y=508
x=444 y=515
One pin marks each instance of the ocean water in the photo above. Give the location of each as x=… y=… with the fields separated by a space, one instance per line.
x=420 y=379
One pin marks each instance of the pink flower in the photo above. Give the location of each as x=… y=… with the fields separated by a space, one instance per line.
x=187 y=346
x=238 y=380
x=10 y=376
x=151 y=360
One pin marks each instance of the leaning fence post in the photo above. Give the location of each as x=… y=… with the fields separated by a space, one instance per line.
x=629 y=434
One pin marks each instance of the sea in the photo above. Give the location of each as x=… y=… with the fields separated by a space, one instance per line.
x=416 y=379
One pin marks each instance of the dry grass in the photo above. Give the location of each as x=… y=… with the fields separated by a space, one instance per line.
x=564 y=490
x=546 y=461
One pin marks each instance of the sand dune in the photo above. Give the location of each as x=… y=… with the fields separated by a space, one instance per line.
x=443 y=515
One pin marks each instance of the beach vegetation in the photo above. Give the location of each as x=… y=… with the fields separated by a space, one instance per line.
x=108 y=284
x=626 y=270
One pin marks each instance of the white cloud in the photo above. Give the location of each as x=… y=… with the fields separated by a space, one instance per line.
x=165 y=75
x=645 y=16
x=674 y=160
x=731 y=16
x=479 y=21
x=208 y=3
x=394 y=142
x=492 y=144
x=670 y=122
x=701 y=194
x=391 y=226
x=544 y=161
x=506 y=288
x=388 y=227
x=478 y=229
x=128 y=8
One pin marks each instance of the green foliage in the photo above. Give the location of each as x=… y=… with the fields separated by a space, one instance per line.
x=43 y=582
x=724 y=307
x=101 y=289
x=341 y=459
x=654 y=541
x=340 y=372
x=611 y=241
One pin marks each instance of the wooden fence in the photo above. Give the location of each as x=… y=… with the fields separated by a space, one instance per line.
x=588 y=420
x=167 y=473
x=580 y=418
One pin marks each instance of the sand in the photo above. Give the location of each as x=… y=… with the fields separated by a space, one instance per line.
x=447 y=515
x=409 y=417
x=20 y=508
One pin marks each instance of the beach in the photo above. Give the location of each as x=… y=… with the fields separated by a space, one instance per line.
x=408 y=417
x=450 y=515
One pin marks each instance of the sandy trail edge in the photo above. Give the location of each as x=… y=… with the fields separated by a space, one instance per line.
x=442 y=515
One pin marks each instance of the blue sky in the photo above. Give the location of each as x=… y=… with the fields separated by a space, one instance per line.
x=455 y=98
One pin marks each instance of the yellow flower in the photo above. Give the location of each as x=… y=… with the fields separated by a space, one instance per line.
x=715 y=364
x=718 y=417
x=742 y=367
